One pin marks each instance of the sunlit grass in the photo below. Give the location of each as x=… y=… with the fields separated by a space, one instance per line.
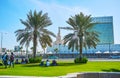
x=62 y=68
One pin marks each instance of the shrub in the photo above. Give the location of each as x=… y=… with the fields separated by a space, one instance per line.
x=35 y=60
x=80 y=60
x=1 y=64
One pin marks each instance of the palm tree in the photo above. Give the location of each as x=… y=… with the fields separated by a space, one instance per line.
x=84 y=35
x=35 y=30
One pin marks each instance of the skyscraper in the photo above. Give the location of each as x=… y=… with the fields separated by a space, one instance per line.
x=105 y=28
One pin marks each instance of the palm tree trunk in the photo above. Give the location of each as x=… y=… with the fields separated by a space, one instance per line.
x=34 y=45
x=27 y=51
x=44 y=52
x=80 y=49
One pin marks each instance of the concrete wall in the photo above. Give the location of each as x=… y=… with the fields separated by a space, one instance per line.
x=99 y=75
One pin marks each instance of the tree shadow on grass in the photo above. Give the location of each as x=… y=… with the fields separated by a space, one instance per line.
x=30 y=65
x=70 y=64
x=1 y=67
x=111 y=70
x=59 y=64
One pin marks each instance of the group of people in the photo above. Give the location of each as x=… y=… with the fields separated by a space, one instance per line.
x=8 y=60
x=54 y=63
x=23 y=61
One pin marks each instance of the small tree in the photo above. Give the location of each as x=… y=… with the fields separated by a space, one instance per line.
x=8 y=50
x=56 y=50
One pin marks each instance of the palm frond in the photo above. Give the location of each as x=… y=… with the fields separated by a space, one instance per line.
x=35 y=30
x=85 y=35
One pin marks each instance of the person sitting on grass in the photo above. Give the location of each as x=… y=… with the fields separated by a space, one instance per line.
x=23 y=61
x=41 y=63
x=47 y=62
x=17 y=62
x=54 y=63
x=26 y=60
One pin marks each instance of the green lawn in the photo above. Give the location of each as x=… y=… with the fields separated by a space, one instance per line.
x=61 y=69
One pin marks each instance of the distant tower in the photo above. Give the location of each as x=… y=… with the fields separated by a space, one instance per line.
x=58 y=38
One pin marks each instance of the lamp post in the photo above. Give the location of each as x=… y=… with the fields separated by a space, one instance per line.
x=1 y=40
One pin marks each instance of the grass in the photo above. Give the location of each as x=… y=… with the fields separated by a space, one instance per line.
x=62 y=69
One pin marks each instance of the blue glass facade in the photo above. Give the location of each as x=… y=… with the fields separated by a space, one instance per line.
x=110 y=48
x=105 y=28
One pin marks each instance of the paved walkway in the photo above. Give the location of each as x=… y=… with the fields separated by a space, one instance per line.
x=102 y=59
x=90 y=59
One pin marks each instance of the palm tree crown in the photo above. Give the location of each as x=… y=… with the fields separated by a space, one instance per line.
x=84 y=35
x=35 y=30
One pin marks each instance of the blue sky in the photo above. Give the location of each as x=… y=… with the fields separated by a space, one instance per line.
x=58 y=10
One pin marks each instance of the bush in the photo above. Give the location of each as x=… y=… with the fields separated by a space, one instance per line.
x=35 y=60
x=1 y=64
x=80 y=60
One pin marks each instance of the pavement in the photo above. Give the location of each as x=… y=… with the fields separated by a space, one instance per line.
x=90 y=59
x=102 y=59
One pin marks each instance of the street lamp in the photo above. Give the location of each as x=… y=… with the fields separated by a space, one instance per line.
x=2 y=39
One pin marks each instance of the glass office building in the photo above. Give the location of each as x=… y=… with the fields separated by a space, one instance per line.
x=105 y=28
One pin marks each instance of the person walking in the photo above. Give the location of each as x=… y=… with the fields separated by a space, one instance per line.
x=11 y=60
x=5 y=59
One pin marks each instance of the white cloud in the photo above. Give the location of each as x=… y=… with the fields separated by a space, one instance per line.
x=55 y=8
x=59 y=14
